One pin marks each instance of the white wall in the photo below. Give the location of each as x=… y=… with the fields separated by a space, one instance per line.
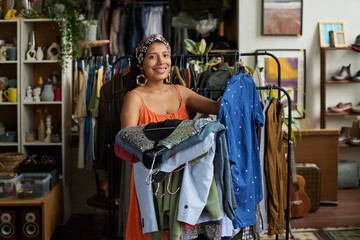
x=315 y=11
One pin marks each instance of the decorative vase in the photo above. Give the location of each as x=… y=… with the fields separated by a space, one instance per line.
x=39 y=54
x=41 y=130
x=53 y=51
x=47 y=93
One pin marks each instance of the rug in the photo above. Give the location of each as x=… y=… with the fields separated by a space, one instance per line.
x=299 y=234
x=345 y=233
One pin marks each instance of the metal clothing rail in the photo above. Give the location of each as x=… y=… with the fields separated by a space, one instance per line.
x=110 y=133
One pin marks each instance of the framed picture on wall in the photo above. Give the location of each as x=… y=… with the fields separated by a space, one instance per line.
x=292 y=76
x=326 y=32
x=340 y=39
x=282 y=17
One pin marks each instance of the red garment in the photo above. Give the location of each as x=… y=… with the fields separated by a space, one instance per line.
x=125 y=155
x=134 y=229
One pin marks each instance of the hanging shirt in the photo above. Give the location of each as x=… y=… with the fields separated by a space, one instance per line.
x=240 y=111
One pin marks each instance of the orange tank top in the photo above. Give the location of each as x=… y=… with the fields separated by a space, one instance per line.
x=147 y=116
x=134 y=229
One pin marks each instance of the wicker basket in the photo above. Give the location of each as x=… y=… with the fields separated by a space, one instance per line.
x=9 y=161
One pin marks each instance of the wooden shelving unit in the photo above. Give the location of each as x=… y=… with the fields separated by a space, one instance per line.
x=325 y=81
x=51 y=206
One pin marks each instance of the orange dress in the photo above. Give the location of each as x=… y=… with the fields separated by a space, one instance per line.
x=134 y=230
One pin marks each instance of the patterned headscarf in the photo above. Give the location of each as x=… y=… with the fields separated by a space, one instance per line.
x=143 y=46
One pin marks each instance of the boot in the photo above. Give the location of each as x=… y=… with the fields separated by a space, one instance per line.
x=344 y=74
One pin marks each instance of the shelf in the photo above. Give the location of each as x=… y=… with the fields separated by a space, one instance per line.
x=341 y=114
x=340 y=82
x=337 y=48
x=4 y=144
x=8 y=62
x=39 y=143
x=8 y=103
x=41 y=61
x=43 y=103
x=345 y=145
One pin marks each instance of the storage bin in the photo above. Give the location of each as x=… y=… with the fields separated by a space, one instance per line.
x=348 y=175
x=53 y=169
x=7 y=184
x=32 y=185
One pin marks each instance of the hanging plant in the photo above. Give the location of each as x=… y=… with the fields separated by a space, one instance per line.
x=65 y=13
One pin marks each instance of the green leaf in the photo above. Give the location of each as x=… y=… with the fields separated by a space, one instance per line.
x=197 y=47
x=202 y=46
x=190 y=46
x=209 y=47
x=250 y=70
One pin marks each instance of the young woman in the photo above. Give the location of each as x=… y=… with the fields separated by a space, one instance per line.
x=154 y=99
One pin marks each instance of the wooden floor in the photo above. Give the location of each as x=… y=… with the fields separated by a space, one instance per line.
x=346 y=213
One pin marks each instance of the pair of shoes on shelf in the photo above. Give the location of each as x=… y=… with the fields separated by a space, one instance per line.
x=356 y=77
x=341 y=108
x=356 y=109
x=344 y=74
x=351 y=135
x=345 y=135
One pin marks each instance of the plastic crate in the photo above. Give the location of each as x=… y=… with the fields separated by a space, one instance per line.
x=7 y=184
x=32 y=185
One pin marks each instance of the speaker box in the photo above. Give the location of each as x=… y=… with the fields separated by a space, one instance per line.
x=7 y=224
x=30 y=223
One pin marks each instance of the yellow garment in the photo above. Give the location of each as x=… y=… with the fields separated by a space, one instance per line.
x=99 y=82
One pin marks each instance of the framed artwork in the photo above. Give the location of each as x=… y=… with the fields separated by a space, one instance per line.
x=340 y=39
x=326 y=32
x=282 y=18
x=293 y=72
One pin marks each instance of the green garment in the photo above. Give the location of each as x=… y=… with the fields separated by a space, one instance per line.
x=169 y=203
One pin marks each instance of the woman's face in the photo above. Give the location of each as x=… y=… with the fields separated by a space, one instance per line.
x=157 y=62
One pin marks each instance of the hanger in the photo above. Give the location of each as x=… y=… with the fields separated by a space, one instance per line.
x=182 y=62
x=205 y=89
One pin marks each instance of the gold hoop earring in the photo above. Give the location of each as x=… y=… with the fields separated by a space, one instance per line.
x=168 y=79
x=141 y=76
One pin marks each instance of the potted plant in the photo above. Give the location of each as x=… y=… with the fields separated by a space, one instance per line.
x=89 y=29
x=65 y=13
x=201 y=48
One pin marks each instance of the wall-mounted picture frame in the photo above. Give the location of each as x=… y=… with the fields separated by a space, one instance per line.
x=340 y=39
x=282 y=18
x=293 y=76
x=326 y=30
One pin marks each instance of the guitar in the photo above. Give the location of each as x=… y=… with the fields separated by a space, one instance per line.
x=299 y=201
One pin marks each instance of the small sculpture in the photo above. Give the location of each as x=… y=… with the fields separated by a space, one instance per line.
x=37 y=92
x=48 y=128
x=53 y=51
x=28 y=97
x=31 y=53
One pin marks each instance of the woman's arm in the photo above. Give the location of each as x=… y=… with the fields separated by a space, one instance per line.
x=130 y=110
x=197 y=103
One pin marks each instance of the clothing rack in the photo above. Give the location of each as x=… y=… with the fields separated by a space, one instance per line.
x=111 y=135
